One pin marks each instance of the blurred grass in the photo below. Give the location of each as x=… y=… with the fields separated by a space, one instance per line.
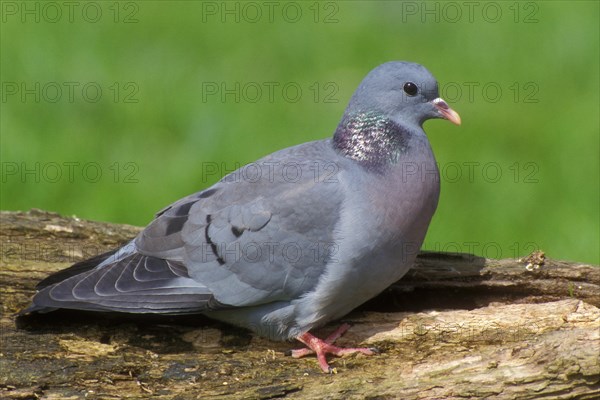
x=170 y=133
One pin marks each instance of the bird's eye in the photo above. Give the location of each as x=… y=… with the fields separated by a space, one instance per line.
x=410 y=88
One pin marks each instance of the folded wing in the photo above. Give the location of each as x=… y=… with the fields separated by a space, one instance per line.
x=242 y=242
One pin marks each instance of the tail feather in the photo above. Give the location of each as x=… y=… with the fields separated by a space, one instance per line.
x=75 y=269
x=124 y=281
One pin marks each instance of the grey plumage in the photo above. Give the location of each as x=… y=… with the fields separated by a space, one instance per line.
x=294 y=240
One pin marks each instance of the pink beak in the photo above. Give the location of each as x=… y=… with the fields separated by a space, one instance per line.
x=446 y=111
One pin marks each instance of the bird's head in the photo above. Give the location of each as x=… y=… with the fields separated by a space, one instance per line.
x=404 y=92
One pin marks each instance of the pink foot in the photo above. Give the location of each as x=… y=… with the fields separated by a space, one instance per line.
x=323 y=347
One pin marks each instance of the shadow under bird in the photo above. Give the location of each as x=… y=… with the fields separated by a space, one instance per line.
x=292 y=241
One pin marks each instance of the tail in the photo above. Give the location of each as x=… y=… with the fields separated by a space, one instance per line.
x=122 y=280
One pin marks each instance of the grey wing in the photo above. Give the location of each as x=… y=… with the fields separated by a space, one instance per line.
x=245 y=241
x=253 y=241
x=125 y=281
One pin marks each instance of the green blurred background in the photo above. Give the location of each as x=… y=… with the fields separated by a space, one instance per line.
x=521 y=172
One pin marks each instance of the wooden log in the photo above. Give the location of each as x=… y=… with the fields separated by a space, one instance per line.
x=457 y=326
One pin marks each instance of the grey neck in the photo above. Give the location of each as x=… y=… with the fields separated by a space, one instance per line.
x=371 y=139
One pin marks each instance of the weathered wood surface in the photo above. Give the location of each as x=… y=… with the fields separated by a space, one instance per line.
x=458 y=326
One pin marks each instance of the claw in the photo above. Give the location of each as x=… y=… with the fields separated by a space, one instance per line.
x=324 y=347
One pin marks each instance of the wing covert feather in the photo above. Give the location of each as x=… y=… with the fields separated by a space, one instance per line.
x=259 y=240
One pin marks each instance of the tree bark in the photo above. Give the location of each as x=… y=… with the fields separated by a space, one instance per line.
x=457 y=326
